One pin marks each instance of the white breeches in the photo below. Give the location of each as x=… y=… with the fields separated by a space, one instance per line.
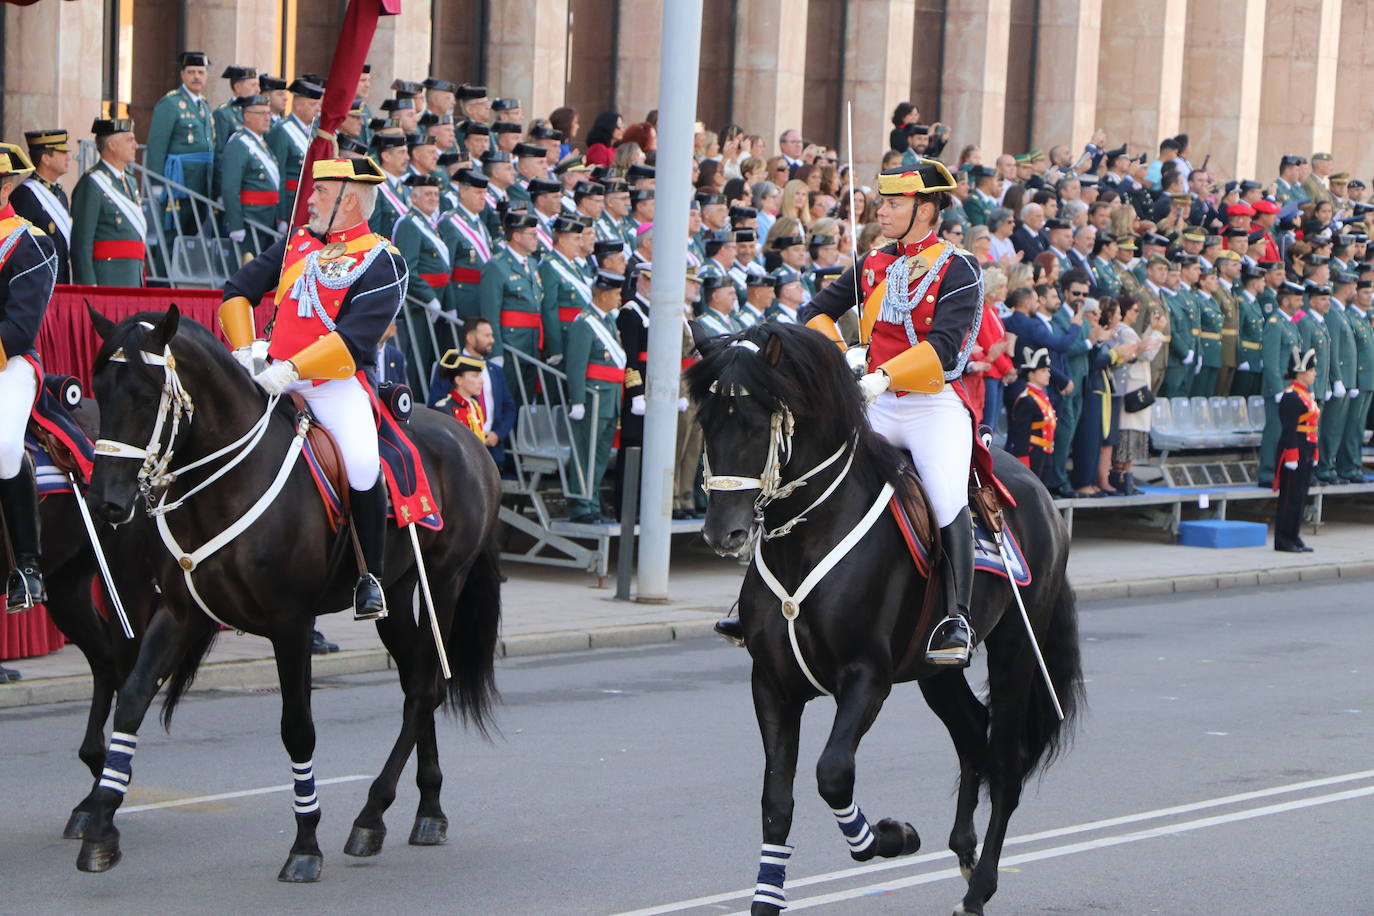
x=936 y=429
x=343 y=408
x=18 y=387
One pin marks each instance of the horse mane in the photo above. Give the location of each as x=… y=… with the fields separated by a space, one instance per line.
x=130 y=334
x=810 y=377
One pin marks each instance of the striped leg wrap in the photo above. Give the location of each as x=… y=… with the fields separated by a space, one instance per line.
x=772 y=872
x=854 y=826
x=119 y=762
x=304 y=776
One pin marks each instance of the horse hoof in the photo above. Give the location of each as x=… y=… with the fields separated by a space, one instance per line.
x=961 y=910
x=364 y=841
x=76 y=825
x=98 y=856
x=896 y=838
x=429 y=831
x=764 y=909
x=301 y=868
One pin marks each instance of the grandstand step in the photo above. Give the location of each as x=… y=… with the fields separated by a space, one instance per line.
x=1220 y=534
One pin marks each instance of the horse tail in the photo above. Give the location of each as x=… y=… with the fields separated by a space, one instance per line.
x=471 y=643
x=196 y=639
x=1045 y=736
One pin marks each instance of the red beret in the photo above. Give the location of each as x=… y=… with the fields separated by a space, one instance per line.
x=1240 y=209
x=1265 y=206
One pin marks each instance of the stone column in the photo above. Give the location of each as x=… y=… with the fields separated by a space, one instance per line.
x=1354 y=123
x=528 y=54
x=637 y=58
x=1299 y=86
x=1066 y=73
x=877 y=70
x=973 y=99
x=52 y=70
x=1222 y=74
x=770 y=65
x=1140 y=71
x=400 y=49
x=233 y=33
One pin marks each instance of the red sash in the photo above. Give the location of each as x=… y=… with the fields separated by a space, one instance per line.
x=259 y=198
x=116 y=249
x=435 y=280
x=605 y=373
x=467 y=275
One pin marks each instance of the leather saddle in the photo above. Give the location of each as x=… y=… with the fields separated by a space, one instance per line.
x=325 y=450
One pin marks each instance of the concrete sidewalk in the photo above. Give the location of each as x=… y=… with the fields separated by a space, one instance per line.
x=557 y=610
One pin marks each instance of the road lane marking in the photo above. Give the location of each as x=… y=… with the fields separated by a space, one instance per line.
x=1053 y=833
x=1107 y=842
x=245 y=793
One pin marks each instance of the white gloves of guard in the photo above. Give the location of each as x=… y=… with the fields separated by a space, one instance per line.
x=245 y=356
x=1338 y=388
x=277 y=377
x=239 y=235
x=556 y=359
x=681 y=405
x=1291 y=465
x=1243 y=367
x=577 y=411
x=1188 y=360
x=637 y=405
x=1353 y=393
x=874 y=384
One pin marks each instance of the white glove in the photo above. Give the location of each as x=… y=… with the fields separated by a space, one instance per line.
x=1278 y=397
x=874 y=384
x=577 y=412
x=556 y=359
x=276 y=377
x=1354 y=392
x=239 y=235
x=637 y=405
x=244 y=356
x=681 y=405
x=1291 y=465
x=1243 y=367
x=1328 y=396
x=1338 y=388
x=1188 y=360
x=1197 y=368
x=498 y=361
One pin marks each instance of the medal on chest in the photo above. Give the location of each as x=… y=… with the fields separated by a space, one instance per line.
x=916 y=267
x=336 y=268
x=333 y=250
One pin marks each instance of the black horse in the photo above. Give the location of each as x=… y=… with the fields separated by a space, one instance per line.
x=778 y=400
x=287 y=568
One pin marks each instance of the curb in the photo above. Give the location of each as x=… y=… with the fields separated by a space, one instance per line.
x=258 y=674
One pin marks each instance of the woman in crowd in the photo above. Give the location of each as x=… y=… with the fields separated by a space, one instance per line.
x=783 y=227
x=952 y=231
x=820 y=204
x=1046 y=268
x=627 y=154
x=1097 y=426
x=710 y=146
x=710 y=178
x=732 y=151
x=565 y=119
x=904 y=114
x=1000 y=227
x=1106 y=270
x=794 y=202
x=753 y=170
x=810 y=175
x=980 y=243
x=1132 y=381
x=993 y=346
x=755 y=146
x=642 y=133
x=736 y=193
x=970 y=155
x=767 y=200
x=605 y=134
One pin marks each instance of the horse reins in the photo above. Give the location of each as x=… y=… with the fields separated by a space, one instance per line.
x=156 y=473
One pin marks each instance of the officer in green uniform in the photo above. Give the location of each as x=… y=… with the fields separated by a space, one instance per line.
x=249 y=178
x=181 y=138
x=1183 y=331
x=364 y=110
x=108 y=226
x=393 y=197
x=1281 y=338
x=469 y=243
x=1344 y=366
x=567 y=290
x=1349 y=460
x=1250 y=351
x=417 y=236
x=1126 y=248
x=982 y=200
x=510 y=296
x=1209 y=343
x=1315 y=333
x=289 y=140
x=720 y=250
x=789 y=294
x=595 y=362
x=530 y=159
x=1061 y=240
x=1227 y=265
x=1106 y=270
x=243 y=83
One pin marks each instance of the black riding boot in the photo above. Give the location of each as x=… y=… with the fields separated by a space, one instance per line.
x=732 y=628
x=952 y=639
x=368 y=511
x=19 y=499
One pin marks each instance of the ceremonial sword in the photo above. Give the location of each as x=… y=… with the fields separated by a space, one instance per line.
x=100 y=558
x=429 y=603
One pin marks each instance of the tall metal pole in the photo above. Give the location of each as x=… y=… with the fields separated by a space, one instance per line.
x=677 y=108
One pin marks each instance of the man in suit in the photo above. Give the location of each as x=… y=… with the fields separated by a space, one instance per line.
x=1026 y=237
x=390 y=365
x=41 y=200
x=790 y=146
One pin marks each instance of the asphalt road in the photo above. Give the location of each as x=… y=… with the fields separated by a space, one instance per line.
x=1225 y=765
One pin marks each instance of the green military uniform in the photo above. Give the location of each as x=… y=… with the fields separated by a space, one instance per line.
x=1183 y=331
x=1209 y=345
x=593 y=357
x=710 y=267
x=1251 y=347
x=289 y=140
x=1315 y=334
x=1285 y=191
x=1268 y=302
x=1065 y=264
x=1281 y=337
x=510 y=296
x=108 y=229
x=1130 y=286
x=427 y=257
x=566 y=294
x=469 y=247
x=519 y=196
x=978 y=207
x=1343 y=366
x=228 y=118
x=250 y=184
x=1230 y=337
x=776 y=311
x=393 y=202
x=1349 y=460
x=1106 y=277
x=181 y=141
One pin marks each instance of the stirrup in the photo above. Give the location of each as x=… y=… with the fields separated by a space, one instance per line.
x=730 y=628
x=18 y=585
x=359 y=613
x=951 y=655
